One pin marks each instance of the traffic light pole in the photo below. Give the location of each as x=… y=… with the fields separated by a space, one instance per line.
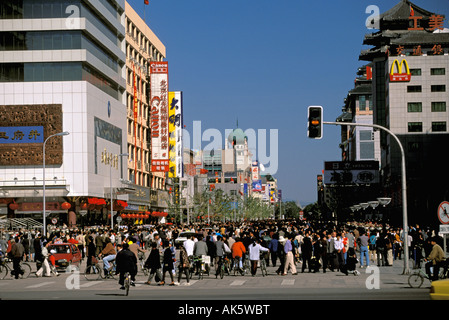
x=404 y=185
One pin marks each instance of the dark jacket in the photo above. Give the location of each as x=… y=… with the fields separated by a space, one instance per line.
x=126 y=261
x=153 y=260
x=168 y=259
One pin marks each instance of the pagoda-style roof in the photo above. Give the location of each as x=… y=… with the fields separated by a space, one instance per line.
x=401 y=11
x=361 y=89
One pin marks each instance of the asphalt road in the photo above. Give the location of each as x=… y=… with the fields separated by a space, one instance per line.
x=383 y=283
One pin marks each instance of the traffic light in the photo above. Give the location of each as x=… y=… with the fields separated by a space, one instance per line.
x=315 y=122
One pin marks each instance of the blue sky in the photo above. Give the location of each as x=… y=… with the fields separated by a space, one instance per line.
x=264 y=62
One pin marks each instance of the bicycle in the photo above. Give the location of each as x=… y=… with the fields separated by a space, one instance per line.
x=95 y=272
x=145 y=270
x=127 y=283
x=263 y=267
x=222 y=267
x=236 y=267
x=200 y=266
x=5 y=269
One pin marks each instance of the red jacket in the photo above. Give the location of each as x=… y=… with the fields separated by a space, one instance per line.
x=238 y=249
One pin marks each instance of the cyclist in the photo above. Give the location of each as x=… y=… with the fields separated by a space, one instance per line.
x=238 y=250
x=219 y=253
x=109 y=254
x=126 y=261
x=199 y=250
x=436 y=257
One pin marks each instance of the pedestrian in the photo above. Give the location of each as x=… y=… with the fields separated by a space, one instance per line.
x=338 y=250
x=372 y=246
x=184 y=265
x=219 y=249
x=281 y=254
x=289 y=257
x=306 y=253
x=153 y=263
x=44 y=270
x=273 y=247
x=324 y=252
x=17 y=253
x=254 y=254
x=363 y=242
x=90 y=252
x=351 y=263
x=167 y=263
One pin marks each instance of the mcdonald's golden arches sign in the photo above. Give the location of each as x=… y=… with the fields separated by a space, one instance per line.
x=402 y=74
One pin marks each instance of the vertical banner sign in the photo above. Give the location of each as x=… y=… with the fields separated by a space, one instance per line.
x=159 y=105
x=179 y=142
x=175 y=126
x=135 y=121
x=172 y=173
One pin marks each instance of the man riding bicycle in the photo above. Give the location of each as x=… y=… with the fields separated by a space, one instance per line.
x=435 y=258
x=109 y=254
x=126 y=261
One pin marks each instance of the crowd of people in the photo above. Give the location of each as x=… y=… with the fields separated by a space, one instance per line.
x=287 y=245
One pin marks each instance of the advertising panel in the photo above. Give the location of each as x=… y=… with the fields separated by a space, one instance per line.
x=353 y=172
x=159 y=117
x=402 y=74
x=175 y=129
x=23 y=130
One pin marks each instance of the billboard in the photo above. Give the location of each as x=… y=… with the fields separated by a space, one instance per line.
x=351 y=172
x=175 y=134
x=159 y=108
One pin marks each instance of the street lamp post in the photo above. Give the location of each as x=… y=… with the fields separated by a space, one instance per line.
x=403 y=184
x=110 y=186
x=65 y=133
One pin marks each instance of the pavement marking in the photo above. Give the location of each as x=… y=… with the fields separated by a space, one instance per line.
x=237 y=282
x=90 y=284
x=288 y=282
x=40 y=285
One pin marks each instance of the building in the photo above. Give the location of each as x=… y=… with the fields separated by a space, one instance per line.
x=147 y=188
x=62 y=67
x=410 y=62
x=359 y=143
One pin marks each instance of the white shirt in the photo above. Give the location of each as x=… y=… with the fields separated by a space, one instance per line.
x=254 y=251
x=188 y=245
x=338 y=244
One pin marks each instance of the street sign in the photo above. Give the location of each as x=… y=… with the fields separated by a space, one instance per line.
x=444 y=229
x=54 y=220
x=443 y=212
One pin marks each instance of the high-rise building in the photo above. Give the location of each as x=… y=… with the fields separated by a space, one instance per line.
x=410 y=58
x=142 y=47
x=62 y=69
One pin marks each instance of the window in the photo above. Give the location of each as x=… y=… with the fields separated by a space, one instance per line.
x=438 y=88
x=415 y=72
x=415 y=127
x=414 y=106
x=439 y=106
x=362 y=102
x=437 y=71
x=439 y=126
x=414 y=89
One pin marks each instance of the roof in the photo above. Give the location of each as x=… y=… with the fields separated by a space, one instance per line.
x=401 y=11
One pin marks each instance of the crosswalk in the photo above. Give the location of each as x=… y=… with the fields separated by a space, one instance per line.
x=141 y=284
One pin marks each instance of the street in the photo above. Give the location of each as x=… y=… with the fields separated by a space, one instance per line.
x=390 y=284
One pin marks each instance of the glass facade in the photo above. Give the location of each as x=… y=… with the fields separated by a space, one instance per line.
x=46 y=9
x=56 y=71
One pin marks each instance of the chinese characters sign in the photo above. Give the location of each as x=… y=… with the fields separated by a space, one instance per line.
x=21 y=134
x=159 y=117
